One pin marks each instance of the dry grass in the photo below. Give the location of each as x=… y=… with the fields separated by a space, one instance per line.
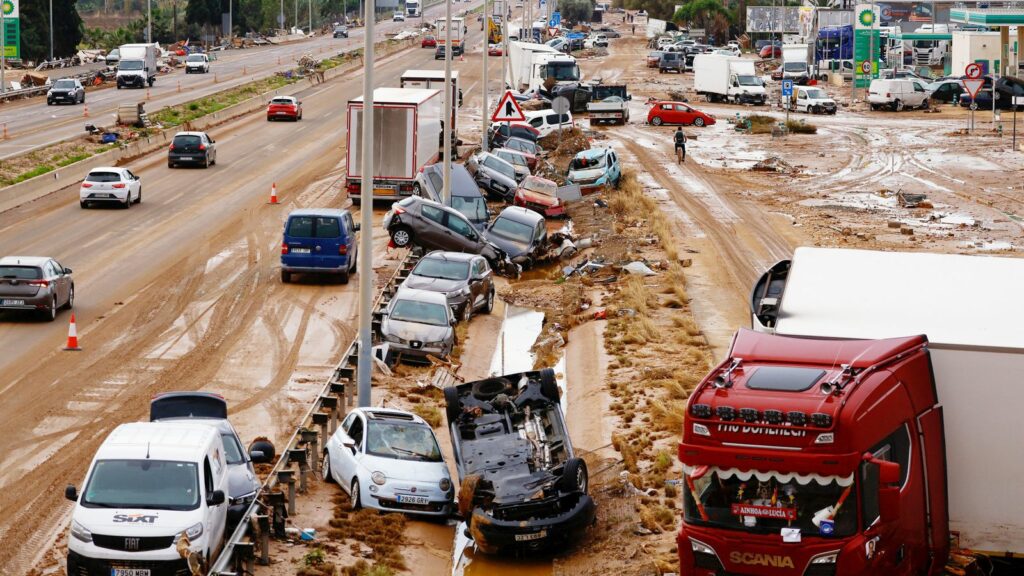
x=383 y=533
x=429 y=413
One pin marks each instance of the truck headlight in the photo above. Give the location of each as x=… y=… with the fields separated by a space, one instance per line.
x=80 y=532
x=827 y=558
x=378 y=478
x=445 y=484
x=192 y=532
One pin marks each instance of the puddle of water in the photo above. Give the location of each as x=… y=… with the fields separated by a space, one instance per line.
x=957 y=219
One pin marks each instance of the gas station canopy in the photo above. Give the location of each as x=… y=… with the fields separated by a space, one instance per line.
x=988 y=16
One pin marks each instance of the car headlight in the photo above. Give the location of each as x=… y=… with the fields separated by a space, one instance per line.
x=244 y=499
x=445 y=484
x=378 y=478
x=80 y=532
x=464 y=291
x=192 y=532
x=395 y=339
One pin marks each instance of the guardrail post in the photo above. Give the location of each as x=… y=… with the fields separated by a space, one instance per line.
x=245 y=558
x=298 y=455
x=323 y=420
x=263 y=522
x=288 y=477
x=310 y=437
x=331 y=404
x=276 y=501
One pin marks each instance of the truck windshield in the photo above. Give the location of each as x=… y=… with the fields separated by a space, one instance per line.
x=816 y=94
x=149 y=484
x=564 y=71
x=130 y=65
x=794 y=66
x=766 y=502
x=748 y=80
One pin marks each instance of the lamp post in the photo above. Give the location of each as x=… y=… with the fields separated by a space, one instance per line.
x=51 y=30
x=365 y=362
x=447 y=104
x=484 y=107
x=149 y=21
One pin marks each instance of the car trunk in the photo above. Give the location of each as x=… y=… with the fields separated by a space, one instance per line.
x=186 y=144
x=283 y=108
x=15 y=281
x=103 y=184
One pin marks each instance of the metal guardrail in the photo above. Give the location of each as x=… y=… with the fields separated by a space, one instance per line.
x=85 y=78
x=269 y=508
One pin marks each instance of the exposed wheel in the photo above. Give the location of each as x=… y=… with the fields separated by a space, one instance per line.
x=206 y=162
x=355 y=501
x=698 y=122
x=286 y=276
x=467 y=311
x=489 y=388
x=49 y=103
x=127 y=200
x=489 y=303
x=548 y=384
x=874 y=106
x=574 y=476
x=657 y=121
x=897 y=105
x=71 y=299
x=50 y=312
x=452 y=404
x=467 y=494
x=401 y=236
x=266 y=447
x=325 y=468
x=83 y=203
x=924 y=104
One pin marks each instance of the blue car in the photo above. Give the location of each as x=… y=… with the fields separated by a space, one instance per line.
x=595 y=169
x=319 y=241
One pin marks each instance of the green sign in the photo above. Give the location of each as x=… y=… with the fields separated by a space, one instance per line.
x=11 y=29
x=866 y=45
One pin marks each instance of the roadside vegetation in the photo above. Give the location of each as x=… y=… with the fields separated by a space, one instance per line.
x=189 y=111
x=44 y=160
x=763 y=124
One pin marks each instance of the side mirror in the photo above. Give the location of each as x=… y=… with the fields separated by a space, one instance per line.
x=257 y=456
x=453 y=321
x=67 y=270
x=216 y=498
x=146 y=69
x=71 y=493
x=356 y=226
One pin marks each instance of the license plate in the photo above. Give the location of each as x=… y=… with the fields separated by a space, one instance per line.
x=421 y=500
x=416 y=344
x=533 y=536
x=103 y=195
x=383 y=191
x=12 y=302
x=280 y=113
x=185 y=158
x=299 y=250
x=129 y=572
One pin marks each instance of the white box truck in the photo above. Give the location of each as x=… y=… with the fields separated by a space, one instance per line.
x=434 y=79
x=530 y=65
x=796 y=61
x=137 y=67
x=412 y=7
x=970 y=47
x=406 y=137
x=720 y=78
x=969 y=309
x=458 y=32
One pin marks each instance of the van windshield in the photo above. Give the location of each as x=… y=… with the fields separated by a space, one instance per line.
x=794 y=66
x=130 y=65
x=748 y=80
x=766 y=502
x=148 y=484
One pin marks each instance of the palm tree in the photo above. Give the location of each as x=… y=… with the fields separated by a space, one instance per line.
x=711 y=15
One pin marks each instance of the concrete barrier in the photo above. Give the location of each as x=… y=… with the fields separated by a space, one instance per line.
x=35 y=188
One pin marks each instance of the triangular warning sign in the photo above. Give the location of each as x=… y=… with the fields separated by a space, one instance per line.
x=508 y=110
x=973 y=86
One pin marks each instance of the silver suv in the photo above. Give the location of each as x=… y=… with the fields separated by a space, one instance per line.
x=34 y=283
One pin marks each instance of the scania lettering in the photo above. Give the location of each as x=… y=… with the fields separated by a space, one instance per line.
x=819 y=447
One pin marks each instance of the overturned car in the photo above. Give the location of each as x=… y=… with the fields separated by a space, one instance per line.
x=521 y=486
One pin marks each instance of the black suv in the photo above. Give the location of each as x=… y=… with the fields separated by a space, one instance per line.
x=66 y=90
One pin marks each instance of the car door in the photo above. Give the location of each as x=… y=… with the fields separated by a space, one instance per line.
x=481 y=281
x=348 y=457
x=350 y=236
x=920 y=94
x=801 y=100
x=613 y=167
x=300 y=239
x=432 y=234
x=683 y=114
x=667 y=113
x=211 y=148
x=55 y=274
x=540 y=239
x=328 y=242
x=461 y=234
x=134 y=184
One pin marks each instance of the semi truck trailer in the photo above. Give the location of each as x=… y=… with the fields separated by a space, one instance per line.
x=866 y=425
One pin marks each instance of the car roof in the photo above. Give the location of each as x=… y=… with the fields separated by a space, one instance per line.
x=520 y=214
x=391 y=414
x=318 y=212
x=176 y=441
x=107 y=169
x=23 y=260
x=593 y=153
x=454 y=256
x=418 y=295
x=188 y=134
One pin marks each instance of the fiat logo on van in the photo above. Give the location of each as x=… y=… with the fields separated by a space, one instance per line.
x=131 y=543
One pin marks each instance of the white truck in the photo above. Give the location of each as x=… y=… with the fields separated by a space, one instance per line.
x=931 y=52
x=412 y=7
x=796 y=61
x=406 y=137
x=137 y=67
x=530 y=66
x=966 y=452
x=434 y=79
x=458 y=26
x=719 y=78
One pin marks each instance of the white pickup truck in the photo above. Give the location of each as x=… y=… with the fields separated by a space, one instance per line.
x=608 y=104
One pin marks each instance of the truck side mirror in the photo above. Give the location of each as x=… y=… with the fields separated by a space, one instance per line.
x=888 y=488
x=215 y=498
x=71 y=493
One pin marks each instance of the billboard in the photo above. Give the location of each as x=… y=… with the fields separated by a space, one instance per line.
x=866 y=44
x=764 y=19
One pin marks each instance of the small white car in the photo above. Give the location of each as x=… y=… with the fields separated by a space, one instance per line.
x=197 y=64
x=389 y=460
x=547 y=121
x=110 y=185
x=596 y=41
x=399 y=16
x=813 y=101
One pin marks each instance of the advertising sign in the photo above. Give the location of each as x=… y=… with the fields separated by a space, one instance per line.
x=12 y=29
x=866 y=44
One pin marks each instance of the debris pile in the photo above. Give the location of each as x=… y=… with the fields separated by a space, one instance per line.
x=774 y=164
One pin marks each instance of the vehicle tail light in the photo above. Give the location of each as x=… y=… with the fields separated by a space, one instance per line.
x=399 y=210
x=284 y=248
x=86 y=185
x=38 y=282
x=352 y=187
x=888 y=95
x=171 y=147
x=119 y=185
x=343 y=249
x=202 y=146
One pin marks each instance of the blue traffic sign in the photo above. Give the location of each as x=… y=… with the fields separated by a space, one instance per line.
x=787 y=87
x=556 y=19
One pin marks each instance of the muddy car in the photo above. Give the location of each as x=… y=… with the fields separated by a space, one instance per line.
x=521 y=485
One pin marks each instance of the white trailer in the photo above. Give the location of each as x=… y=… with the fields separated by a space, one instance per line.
x=458 y=31
x=969 y=47
x=412 y=7
x=718 y=77
x=406 y=137
x=434 y=79
x=970 y=309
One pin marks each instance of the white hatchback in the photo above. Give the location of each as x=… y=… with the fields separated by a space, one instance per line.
x=389 y=460
x=110 y=185
x=197 y=64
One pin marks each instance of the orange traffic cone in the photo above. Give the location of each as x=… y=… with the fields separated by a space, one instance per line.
x=273 y=193
x=72 y=344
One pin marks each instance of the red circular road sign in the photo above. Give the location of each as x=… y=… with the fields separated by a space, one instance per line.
x=973 y=70
x=865 y=67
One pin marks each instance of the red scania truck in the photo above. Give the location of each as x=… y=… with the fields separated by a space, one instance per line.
x=865 y=425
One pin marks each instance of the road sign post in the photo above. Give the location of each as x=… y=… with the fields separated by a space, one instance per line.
x=560 y=106
x=972 y=85
x=787 y=96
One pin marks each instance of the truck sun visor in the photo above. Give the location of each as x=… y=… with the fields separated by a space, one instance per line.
x=781 y=477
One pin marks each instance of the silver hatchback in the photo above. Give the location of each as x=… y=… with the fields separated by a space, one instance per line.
x=35 y=283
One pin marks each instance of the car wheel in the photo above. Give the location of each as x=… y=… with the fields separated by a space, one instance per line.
x=325 y=468
x=924 y=104
x=343 y=277
x=286 y=276
x=467 y=311
x=698 y=122
x=489 y=304
x=452 y=404
x=548 y=384
x=467 y=495
x=355 y=502
x=401 y=236
x=574 y=476
x=139 y=199
x=657 y=121
x=83 y=203
x=874 y=106
x=127 y=200
x=897 y=105
x=50 y=312
x=488 y=388
x=71 y=299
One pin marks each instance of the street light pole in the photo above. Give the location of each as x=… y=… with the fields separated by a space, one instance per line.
x=3 y=52
x=310 y=16
x=485 y=107
x=231 y=19
x=365 y=360
x=446 y=190
x=149 y=21
x=51 y=30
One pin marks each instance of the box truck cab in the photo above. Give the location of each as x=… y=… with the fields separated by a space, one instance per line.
x=150 y=486
x=820 y=445
x=137 y=67
x=531 y=65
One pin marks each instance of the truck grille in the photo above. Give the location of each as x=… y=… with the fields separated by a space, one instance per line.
x=132 y=543
x=79 y=565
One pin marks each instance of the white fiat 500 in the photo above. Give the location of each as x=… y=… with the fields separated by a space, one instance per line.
x=390 y=460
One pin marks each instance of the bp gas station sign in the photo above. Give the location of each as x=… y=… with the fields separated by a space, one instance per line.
x=11 y=29
x=866 y=44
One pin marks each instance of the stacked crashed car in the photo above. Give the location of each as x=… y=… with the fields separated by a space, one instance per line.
x=520 y=233
x=496 y=176
x=595 y=169
x=521 y=485
x=465 y=197
x=421 y=222
x=465 y=279
x=389 y=459
x=418 y=323
x=212 y=409
x=540 y=195
x=37 y=284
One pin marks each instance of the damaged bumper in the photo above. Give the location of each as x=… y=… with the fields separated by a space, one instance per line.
x=492 y=535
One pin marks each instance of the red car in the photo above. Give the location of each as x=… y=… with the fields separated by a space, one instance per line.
x=428 y=42
x=494 y=50
x=284 y=107
x=678 y=113
x=540 y=195
x=770 y=51
x=654 y=58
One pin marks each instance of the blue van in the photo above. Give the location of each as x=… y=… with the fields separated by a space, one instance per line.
x=319 y=241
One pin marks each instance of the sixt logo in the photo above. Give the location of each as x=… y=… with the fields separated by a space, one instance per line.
x=135 y=518
x=751 y=559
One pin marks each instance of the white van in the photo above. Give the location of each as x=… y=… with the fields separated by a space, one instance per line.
x=150 y=484
x=547 y=121
x=897 y=94
x=813 y=100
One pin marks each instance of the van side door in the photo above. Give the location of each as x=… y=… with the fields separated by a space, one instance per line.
x=329 y=243
x=216 y=516
x=350 y=236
